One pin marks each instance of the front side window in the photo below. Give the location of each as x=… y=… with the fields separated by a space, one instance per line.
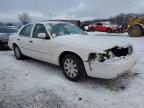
x=26 y=31
x=39 y=28
x=61 y=29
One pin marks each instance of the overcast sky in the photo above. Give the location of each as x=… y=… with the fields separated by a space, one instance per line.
x=67 y=9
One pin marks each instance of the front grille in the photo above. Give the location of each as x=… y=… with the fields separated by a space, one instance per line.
x=121 y=51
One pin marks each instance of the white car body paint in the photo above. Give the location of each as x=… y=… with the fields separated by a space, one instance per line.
x=49 y=50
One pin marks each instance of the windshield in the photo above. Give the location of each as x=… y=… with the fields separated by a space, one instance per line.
x=107 y=24
x=61 y=29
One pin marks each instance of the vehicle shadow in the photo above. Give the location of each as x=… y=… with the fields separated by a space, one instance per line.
x=118 y=84
x=54 y=69
x=4 y=48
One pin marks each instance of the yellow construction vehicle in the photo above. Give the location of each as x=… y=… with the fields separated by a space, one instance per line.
x=134 y=27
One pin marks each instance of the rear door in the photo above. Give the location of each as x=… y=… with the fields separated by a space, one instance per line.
x=23 y=40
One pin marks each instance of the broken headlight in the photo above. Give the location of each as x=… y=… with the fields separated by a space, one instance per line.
x=110 y=54
x=96 y=57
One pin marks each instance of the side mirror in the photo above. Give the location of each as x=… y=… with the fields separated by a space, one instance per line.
x=41 y=35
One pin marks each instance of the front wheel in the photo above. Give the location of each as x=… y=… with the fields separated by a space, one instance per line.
x=109 y=31
x=73 y=68
x=18 y=53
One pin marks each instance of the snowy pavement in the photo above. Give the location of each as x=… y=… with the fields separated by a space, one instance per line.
x=34 y=84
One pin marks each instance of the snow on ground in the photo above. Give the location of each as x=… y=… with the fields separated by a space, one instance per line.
x=107 y=34
x=34 y=84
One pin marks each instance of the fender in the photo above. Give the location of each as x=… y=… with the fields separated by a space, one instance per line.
x=82 y=53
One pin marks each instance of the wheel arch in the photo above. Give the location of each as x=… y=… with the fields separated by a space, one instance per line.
x=14 y=44
x=68 y=52
x=109 y=29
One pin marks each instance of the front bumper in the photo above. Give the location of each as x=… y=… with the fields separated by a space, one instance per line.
x=110 y=69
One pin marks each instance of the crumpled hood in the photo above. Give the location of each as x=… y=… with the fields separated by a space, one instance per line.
x=90 y=41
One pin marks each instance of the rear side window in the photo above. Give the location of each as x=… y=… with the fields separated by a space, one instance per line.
x=26 y=31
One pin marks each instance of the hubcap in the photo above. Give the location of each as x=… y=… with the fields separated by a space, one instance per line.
x=70 y=68
x=17 y=52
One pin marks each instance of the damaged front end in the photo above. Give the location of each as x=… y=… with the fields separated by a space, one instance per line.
x=110 y=55
x=119 y=51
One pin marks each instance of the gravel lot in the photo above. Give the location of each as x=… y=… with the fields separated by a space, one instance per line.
x=34 y=84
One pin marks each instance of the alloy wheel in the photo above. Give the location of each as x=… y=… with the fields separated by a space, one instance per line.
x=70 y=68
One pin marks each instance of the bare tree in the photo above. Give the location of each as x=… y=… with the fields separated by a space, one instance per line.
x=24 y=18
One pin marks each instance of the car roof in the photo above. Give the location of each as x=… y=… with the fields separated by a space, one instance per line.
x=46 y=22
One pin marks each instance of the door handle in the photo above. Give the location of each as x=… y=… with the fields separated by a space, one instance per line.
x=31 y=41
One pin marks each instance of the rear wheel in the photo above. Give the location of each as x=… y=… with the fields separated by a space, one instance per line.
x=73 y=67
x=135 y=31
x=18 y=53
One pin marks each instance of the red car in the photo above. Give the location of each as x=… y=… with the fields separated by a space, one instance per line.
x=103 y=27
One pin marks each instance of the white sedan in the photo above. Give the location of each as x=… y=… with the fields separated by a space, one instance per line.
x=78 y=53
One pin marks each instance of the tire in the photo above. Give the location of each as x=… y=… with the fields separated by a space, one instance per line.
x=18 y=54
x=73 y=68
x=92 y=29
x=135 y=31
x=109 y=31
